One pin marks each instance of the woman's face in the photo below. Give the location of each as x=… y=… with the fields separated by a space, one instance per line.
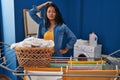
x=51 y=13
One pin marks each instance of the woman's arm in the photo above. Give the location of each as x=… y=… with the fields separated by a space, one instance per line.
x=33 y=12
x=72 y=39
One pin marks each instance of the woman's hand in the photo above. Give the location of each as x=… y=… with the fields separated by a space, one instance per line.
x=44 y=4
x=47 y=3
x=63 y=51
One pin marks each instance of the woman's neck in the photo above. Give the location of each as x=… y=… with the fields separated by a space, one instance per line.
x=52 y=25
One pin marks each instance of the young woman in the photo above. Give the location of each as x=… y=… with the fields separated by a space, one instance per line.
x=52 y=27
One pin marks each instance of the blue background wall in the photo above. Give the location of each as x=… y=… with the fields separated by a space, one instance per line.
x=81 y=16
x=103 y=18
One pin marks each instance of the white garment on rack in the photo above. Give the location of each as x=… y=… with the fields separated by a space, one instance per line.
x=38 y=75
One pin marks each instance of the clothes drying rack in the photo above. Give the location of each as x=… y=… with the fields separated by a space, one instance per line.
x=6 y=54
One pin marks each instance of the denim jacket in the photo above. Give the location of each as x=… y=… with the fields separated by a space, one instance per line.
x=59 y=32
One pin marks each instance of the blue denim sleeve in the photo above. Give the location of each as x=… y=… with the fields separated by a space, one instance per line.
x=71 y=37
x=34 y=16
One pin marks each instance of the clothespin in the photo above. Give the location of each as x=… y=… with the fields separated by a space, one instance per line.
x=71 y=61
x=25 y=72
x=71 y=58
x=61 y=69
x=67 y=68
x=97 y=65
x=116 y=67
x=102 y=62
x=117 y=70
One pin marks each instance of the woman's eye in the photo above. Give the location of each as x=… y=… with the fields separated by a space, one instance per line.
x=54 y=11
x=48 y=11
x=51 y=11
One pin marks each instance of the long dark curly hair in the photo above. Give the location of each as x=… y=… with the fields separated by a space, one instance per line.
x=58 y=19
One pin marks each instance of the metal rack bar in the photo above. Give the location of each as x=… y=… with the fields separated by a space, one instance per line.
x=67 y=75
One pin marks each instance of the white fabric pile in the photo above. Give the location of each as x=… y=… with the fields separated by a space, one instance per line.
x=32 y=41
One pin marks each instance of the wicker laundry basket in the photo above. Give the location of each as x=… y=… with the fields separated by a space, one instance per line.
x=35 y=56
